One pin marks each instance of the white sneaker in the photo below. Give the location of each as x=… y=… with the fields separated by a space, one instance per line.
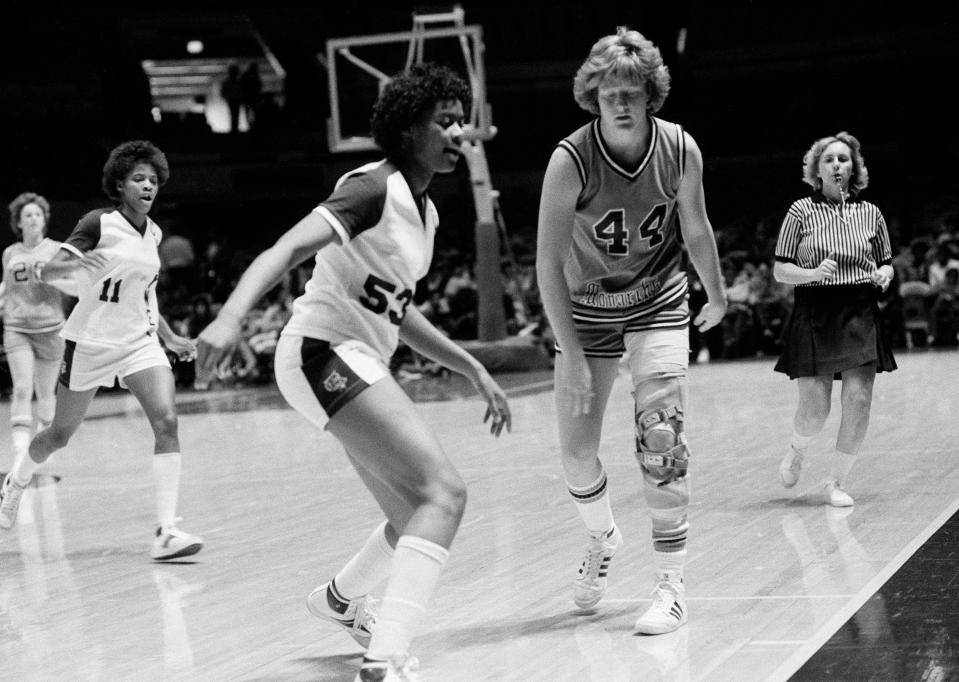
x=358 y=617
x=590 y=584
x=10 y=494
x=400 y=668
x=173 y=543
x=836 y=496
x=791 y=467
x=667 y=612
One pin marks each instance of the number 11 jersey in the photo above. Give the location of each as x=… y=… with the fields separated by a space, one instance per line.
x=116 y=306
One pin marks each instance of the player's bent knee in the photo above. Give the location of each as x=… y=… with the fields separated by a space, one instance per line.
x=661 y=444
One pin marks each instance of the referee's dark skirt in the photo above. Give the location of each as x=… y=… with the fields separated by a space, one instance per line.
x=834 y=328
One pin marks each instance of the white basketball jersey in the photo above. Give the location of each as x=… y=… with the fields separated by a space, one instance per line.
x=31 y=306
x=361 y=289
x=117 y=305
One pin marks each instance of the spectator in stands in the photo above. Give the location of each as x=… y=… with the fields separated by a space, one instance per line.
x=251 y=91
x=945 y=309
x=231 y=92
x=834 y=247
x=945 y=258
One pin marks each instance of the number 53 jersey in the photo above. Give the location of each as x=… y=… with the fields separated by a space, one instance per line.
x=116 y=306
x=361 y=289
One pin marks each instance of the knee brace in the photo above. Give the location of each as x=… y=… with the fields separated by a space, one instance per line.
x=661 y=444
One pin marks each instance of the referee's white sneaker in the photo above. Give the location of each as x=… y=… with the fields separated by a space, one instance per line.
x=836 y=496
x=791 y=467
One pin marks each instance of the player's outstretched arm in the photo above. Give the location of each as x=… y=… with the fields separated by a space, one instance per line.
x=217 y=341
x=417 y=332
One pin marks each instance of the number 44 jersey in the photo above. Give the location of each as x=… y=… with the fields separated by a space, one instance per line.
x=360 y=290
x=116 y=306
x=624 y=263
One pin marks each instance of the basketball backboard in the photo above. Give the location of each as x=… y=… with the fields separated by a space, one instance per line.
x=359 y=67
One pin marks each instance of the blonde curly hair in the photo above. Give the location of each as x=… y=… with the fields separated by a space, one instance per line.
x=627 y=56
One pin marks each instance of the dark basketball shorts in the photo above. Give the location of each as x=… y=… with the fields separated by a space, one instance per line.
x=317 y=379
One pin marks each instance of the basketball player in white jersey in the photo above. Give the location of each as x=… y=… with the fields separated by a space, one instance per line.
x=619 y=196
x=32 y=319
x=372 y=240
x=114 y=332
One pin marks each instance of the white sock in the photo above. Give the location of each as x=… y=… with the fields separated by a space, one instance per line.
x=417 y=564
x=20 y=435
x=800 y=443
x=592 y=503
x=368 y=567
x=841 y=466
x=23 y=470
x=166 y=476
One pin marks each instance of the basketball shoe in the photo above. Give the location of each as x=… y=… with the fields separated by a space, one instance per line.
x=668 y=610
x=172 y=543
x=791 y=467
x=10 y=494
x=836 y=496
x=357 y=616
x=590 y=584
x=400 y=668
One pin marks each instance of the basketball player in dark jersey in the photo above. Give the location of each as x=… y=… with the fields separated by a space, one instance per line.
x=619 y=196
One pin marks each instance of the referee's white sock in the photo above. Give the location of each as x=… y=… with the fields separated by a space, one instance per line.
x=841 y=466
x=417 y=564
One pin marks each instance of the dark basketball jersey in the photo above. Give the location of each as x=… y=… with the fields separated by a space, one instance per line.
x=624 y=263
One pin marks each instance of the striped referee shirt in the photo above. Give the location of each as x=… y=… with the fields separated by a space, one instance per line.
x=855 y=233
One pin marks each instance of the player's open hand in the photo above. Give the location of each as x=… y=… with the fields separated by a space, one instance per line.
x=497 y=407
x=710 y=315
x=182 y=347
x=216 y=343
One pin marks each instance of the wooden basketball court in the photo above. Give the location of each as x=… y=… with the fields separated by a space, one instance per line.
x=772 y=574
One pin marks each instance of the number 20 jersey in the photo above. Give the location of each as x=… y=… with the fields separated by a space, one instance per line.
x=624 y=263
x=116 y=306
x=361 y=288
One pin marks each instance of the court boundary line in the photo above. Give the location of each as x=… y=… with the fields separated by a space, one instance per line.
x=825 y=632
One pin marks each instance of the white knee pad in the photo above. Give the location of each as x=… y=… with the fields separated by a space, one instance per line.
x=661 y=444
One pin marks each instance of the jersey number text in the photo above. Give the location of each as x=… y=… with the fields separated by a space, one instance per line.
x=105 y=294
x=611 y=229
x=378 y=295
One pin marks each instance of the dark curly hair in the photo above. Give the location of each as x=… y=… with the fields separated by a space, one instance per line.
x=408 y=97
x=124 y=159
x=16 y=208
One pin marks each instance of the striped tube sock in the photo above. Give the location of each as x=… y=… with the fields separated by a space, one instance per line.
x=417 y=564
x=592 y=503
x=669 y=548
